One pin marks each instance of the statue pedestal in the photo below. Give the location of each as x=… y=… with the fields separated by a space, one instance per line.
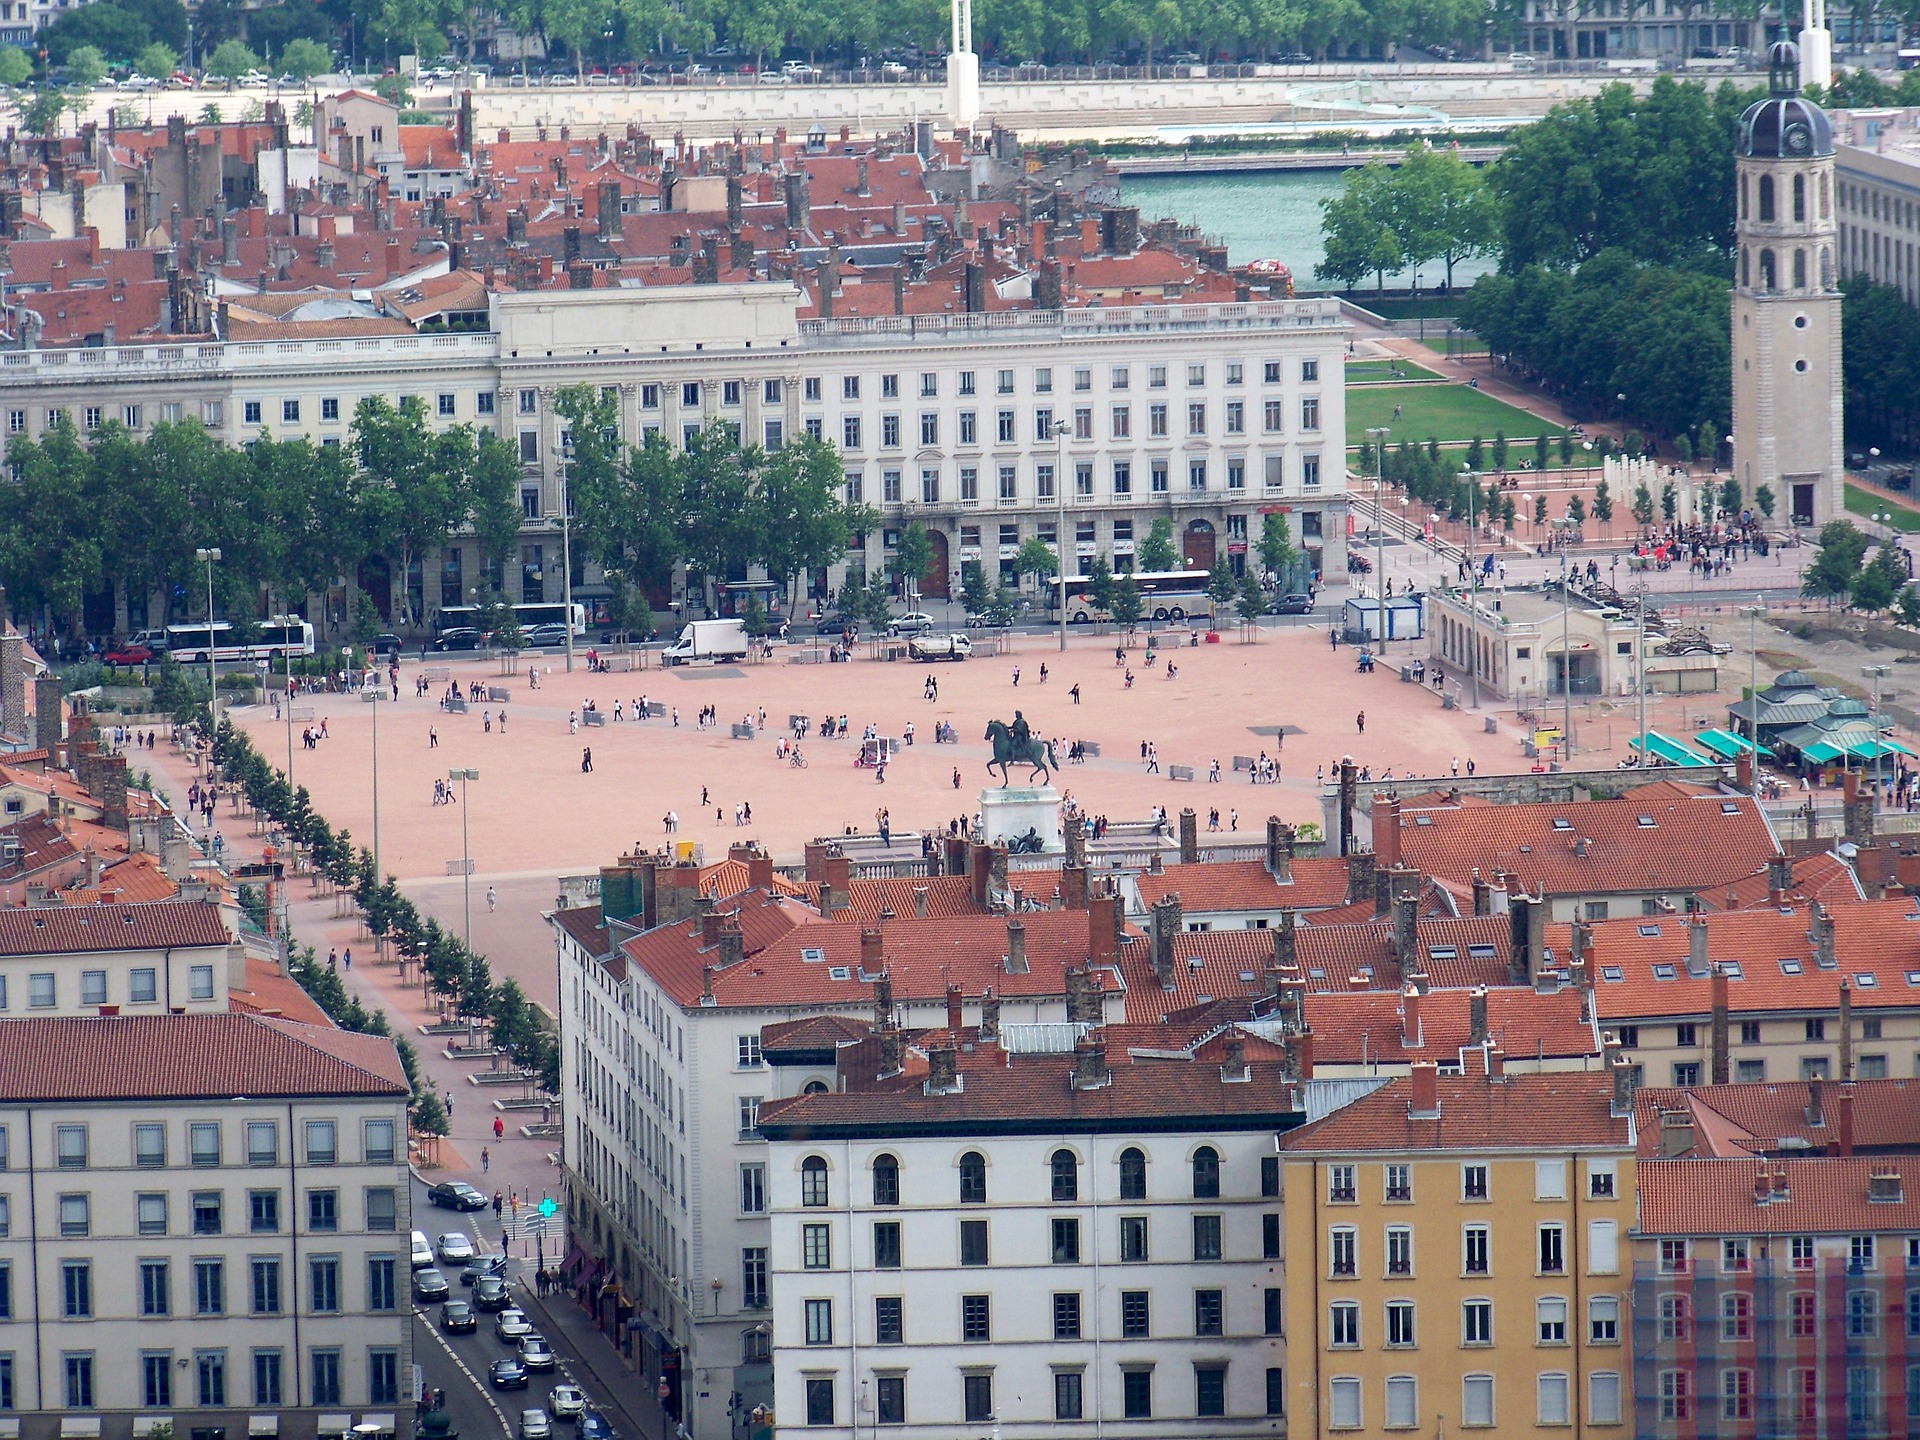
x=1008 y=812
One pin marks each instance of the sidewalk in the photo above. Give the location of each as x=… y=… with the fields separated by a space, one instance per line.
x=612 y=1386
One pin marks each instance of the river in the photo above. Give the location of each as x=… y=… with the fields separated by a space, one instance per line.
x=1272 y=216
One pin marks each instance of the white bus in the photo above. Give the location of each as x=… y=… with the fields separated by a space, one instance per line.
x=280 y=636
x=1164 y=595
x=467 y=617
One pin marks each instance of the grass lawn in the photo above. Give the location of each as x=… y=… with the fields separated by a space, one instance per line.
x=1445 y=412
x=1865 y=502
x=1463 y=344
x=1375 y=372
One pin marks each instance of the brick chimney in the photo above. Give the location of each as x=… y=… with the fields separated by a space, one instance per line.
x=1073 y=887
x=1016 y=959
x=955 y=1014
x=1359 y=877
x=1412 y=1037
x=1105 y=917
x=839 y=878
x=989 y=1017
x=1280 y=843
x=732 y=942
x=1085 y=1005
x=1477 y=1016
x=1846 y=1032
x=1816 y=1111
x=1820 y=936
x=1622 y=1069
x=872 y=949
x=1236 y=1071
x=1423 y=1091
x=1406 y=934
x=1090 y=1062
x=942 y=1070
x=1189 y=837
x=1846 y=1120
x=1166 y=925
x=1717 y=1038
x=1386 y=833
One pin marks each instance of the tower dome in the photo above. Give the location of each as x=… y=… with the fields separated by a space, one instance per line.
x=1785 y=125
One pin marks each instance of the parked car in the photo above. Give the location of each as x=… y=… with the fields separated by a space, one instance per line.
x=1292 y=605
x=456 y=1247
x=567 y=1402
x=460 y=638
x=128 y=655
x=490 y=1294
x=422 y=1250
x=511 y=1325
x=914 y=622
x=534 y=1425
x=430 y=1284
x=507 y=1374
x=457 y=1194
x=536 y=1353
x=457 y=1317
x=545 y=637
x=386 y=644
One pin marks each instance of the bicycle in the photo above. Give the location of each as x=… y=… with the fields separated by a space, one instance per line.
x=797 y=760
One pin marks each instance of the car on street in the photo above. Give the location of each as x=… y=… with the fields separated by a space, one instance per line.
x=456 y=1247
x=490 y=1294
x=507 y=1374
x=835 y=624
x=386 y=644
x=545 y=637
x=430 y=1284
x=457 y=1194
x=1292 y=605
x=128 y=655
x=567 y=1402
x=594 y=1426
x=422 y=1250
x=481 y=1264
x=460 y=638
x=536 y=1353
x=914 y=622
x=457 y=1317
x=511 y=1325
x=534 y=1425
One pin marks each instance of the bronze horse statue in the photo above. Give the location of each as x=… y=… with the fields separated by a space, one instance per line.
x=1009 y=750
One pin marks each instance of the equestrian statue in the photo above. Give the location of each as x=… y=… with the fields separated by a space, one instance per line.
x=1014 y=745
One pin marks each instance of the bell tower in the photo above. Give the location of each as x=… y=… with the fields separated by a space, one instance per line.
x=1786 y=303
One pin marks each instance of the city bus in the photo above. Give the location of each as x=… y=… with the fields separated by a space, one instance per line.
x=465 y=617
x=279 y=636
x=736 y=596
x=1164 y=595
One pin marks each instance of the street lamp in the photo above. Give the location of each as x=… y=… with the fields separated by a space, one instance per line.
x=1377 y=441
x=566 y=545
x=1753 y=613
x=1566 y=660
x=209 y=557
x=1473 y=589
x=463 y=775
x=1877 y=673
x=1060 y=526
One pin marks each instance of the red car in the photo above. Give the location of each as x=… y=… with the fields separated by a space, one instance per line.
x=128 y=655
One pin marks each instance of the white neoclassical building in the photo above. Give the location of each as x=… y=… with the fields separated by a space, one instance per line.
x=203 y=1221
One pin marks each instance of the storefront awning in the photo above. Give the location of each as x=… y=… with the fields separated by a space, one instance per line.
x=1821 y=753
x=1668 y=750
x=1874 y=749
x=1727 y=744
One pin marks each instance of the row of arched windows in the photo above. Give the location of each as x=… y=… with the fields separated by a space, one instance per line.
x=1767 y=206
x=1759 y=269
x=1063 y=1171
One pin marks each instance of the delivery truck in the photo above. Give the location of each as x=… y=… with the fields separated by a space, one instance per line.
x=708 y=640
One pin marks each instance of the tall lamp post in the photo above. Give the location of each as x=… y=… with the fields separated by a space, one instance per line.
x=1566 y=659
x=463 y=775
x=1473 y=588
x=1377 y=442
x=1753 y=613
x=1060 y=526
x=210 y=557
x=1877 y=673
x=566 y=544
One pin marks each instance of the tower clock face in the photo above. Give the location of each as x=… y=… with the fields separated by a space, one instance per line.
x=1799 y=138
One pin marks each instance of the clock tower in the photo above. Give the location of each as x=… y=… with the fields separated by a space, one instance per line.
x=1786 y=303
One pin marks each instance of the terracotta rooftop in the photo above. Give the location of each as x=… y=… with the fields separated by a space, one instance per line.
x=1829 y=1195
x=1556 y=1110
x=67 y=929
x=947 y=895
x=1370 y=1026
x=269 y=993
x=190 y=1057
x=1228 y=886
x=815 y=1032
x=1744 y=1120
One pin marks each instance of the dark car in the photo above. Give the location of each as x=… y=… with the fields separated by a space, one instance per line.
x=490 y=1294
x=594 y=1426
x=458 y=1317
x=1293 y=605
x=507 y=1374
x=457 y=1194
x=430 y=1284
x=464 y=638
x=480 y=1265
x=835 y=624
x=545 y=637
x=387 y=644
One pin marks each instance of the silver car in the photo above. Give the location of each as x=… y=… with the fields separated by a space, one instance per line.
x=534 y=1425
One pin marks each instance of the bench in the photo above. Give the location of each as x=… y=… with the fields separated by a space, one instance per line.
x=1242 y=762
x=1090 y=748
x=1180 y=772
x=457 y=704
x=594 y=717
x=743 y=732
x=498 y=694
x=437 y=674
x=656 y=709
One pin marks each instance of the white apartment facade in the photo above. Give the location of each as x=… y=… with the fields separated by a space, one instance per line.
x=157 y=958
x=200 y=1215
x=1877 y=184
x=1209 y=415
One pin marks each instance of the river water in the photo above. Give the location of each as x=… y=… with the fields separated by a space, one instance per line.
x=1271 y=216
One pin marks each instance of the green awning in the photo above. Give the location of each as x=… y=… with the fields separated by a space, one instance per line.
x=1874 y=749
x=1821 y=753
x=1668 y=750
x=1727 y=744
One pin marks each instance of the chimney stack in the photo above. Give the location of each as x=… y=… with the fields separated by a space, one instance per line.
x=1816 y=1103
x=1406 y=936
x=1386 y=833
x=1846 y=1120
x=1424 y=1091
x=1236 y=1069
x=1285 y=941
x=1717 y=1059
x=1016 y=948
x=1676 y=1133
x=1280 y=843
x=732 y=942
x=1846 y=1033
x=1477 y=1016
x=989 y=1017
x=1090 y=1062
x=954 y=1012
x=1697 y=962
x=1820 y=936
x=1166 y=925
x=883 y=999
x=1622 y=1087
x=942 y=1070
x=1359 y=877
x=1189 y=837
x=1411 y=1035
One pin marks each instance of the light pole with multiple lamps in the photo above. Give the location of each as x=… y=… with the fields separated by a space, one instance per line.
x=210 y=557
x=463 y=775
x=1753 y=613
x=1877 y=673
x=1377 y=441
x=1060 y=428
x=566 y=544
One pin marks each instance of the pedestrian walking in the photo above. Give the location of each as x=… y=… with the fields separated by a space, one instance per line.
x=1016 y=677
x=485 y=1164
x=490 y=899
x=433 y=738
x=1075 y=692
x=346 y=957
x=956 y=777
x=586 y=760
x=333 y=959
x=1360 y=722
x=499 y=1128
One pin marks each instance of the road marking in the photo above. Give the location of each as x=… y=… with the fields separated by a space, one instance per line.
x=485 y=1394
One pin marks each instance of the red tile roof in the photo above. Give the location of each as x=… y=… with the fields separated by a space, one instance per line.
x=1738 y=1120
x=815 y=1032
x=1696 y=842
x=270 y=993
x=1560 y=1110
x=64 y=929
x=1823 y=1196
x=1876 y=950
x=1823 y=877
x=1368 y=1026
x=1226 y=886
x=190 y=1057
x=947 y=895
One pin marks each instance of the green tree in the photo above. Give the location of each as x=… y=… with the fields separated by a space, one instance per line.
x=1157 y=551
x=1836 y=567
x=49 y=543
x=1603 y=505
x=230 y=60
x=40 y=113
x=419 y=480
x=801 y=510
x=1669 y=502
x=1683 y=448
x=1499 y=450
x=1706 y=441
x=1275 y=546
x=303 y=58
x=1642 y=505
x=1881 y=579
x=1577 y=511
x=1357 y=229
x=1100 y=585
x=1249 y=601
x=156 y=60
x=1539 y=510
x=14 y=65
x=975 y=593
x=1476 y=454
x=1003 y=607
x=1035 y=557
x=86 y=67
x=1127 y=605
x=1222 y=586
x=912 y=553
x=1763 y=500
x=1906 y=605
x=1541 y=451
x=1730 y=496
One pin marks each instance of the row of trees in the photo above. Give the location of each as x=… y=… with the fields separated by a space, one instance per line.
x=1841 y=571
x=126 y=510
x=714 y=505
x=1883 y=385
x=1433 y=206
x=449 y=970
